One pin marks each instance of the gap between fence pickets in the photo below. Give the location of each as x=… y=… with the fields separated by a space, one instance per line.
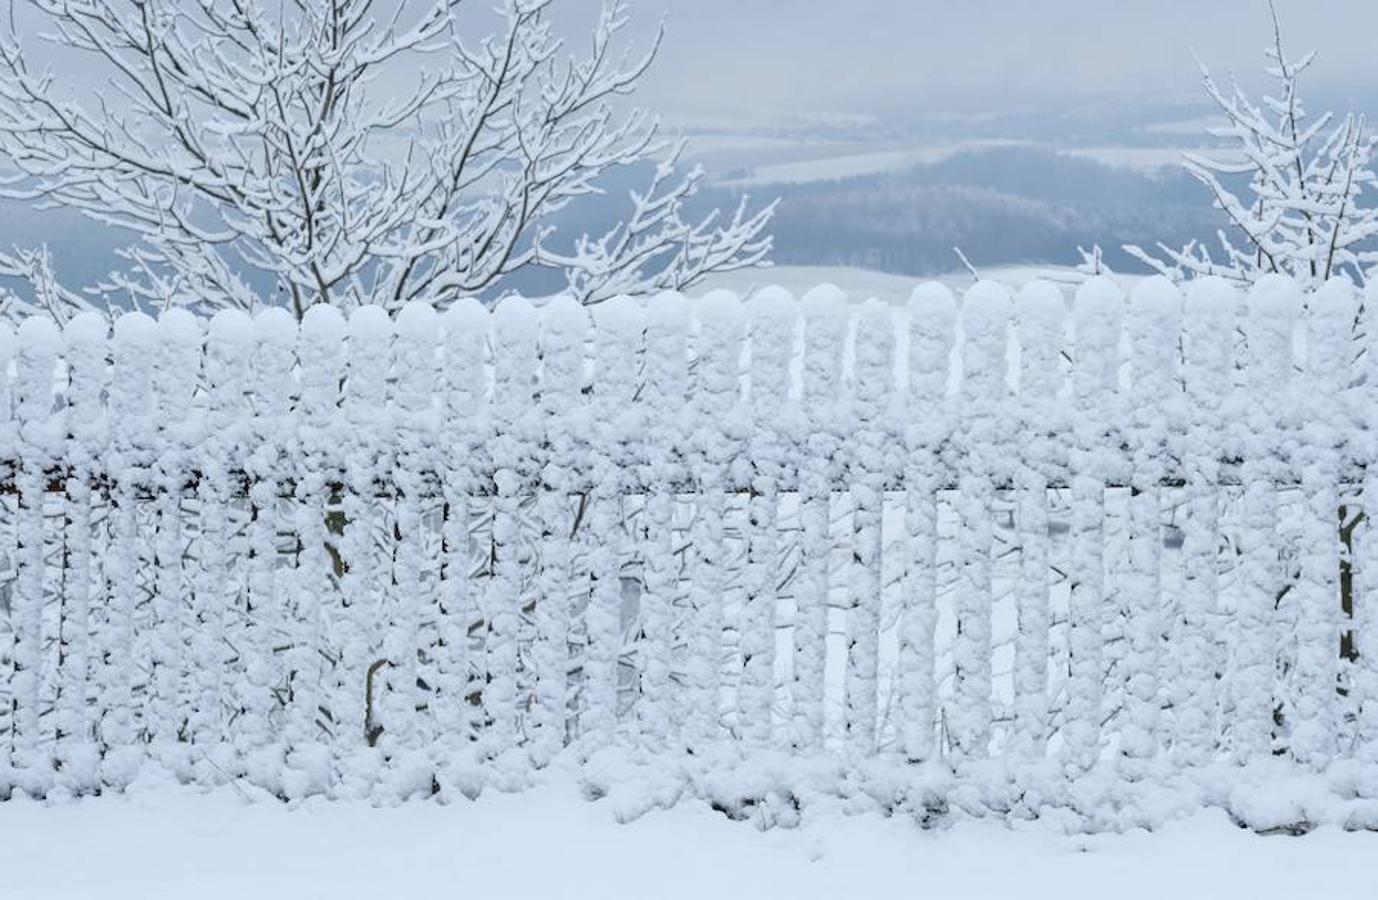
x=458 y=664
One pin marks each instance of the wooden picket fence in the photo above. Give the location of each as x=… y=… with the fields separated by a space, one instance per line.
x=316 y=556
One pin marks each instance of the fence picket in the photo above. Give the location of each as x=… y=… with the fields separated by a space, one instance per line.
x=825 y=327
x=1041 y=314
x=872 y=394
x=1096 y=314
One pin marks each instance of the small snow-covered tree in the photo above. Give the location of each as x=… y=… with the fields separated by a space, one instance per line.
x=343 y=151
x=1303 y=213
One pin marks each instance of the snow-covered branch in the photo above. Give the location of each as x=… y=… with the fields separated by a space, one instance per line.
x=1303 y=214
x=333 y=153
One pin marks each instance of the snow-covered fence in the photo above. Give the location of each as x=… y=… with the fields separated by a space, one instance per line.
x=1020 y=540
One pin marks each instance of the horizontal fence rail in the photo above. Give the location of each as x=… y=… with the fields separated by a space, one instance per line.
x=362 y=555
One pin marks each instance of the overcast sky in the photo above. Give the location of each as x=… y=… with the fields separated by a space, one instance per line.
x=801 y=56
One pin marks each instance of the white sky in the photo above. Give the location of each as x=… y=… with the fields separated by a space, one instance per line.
x=796 y=56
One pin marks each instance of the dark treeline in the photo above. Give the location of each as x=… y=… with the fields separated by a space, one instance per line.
x=1003 y=205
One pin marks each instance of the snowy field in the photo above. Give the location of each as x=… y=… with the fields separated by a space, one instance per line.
x=745 y=160
x=551 y=843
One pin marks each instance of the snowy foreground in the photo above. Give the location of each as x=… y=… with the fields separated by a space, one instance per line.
x=550 y=842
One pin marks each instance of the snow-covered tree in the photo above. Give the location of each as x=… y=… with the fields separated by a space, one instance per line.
x=1303 y=213
x=343 y=152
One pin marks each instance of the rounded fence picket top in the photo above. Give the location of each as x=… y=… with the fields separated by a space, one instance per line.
x=1040 y=300
x=178 y=324
x=618 y=313
x=825 y=298
x=466 y=314
x=369 y=321
x=416 y=316
x=773 y=301
x=86 y=327
x=326 y=321
x=669 y=309
x=229 y=326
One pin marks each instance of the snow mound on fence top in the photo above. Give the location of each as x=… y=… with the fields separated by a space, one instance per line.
x=668 y=310
x=516 y=313
x=467 y=314
x=324 y=322
x=772 y=301
x=135 y=327
x=826 y=299
x=721 y=305
x=1098 y=296
x=228 y=326
x=1211 y=296
x=274 y=325
x=1275 y=296
x=933 y=296
x=179 y=325
x=620 y=314
x=86 y=328
x=1040 y=300
x=1336 y=297
x=416 y=320
x=1156 y=296
x=986 y=298
x=370 y=320
x=564 y=313
x=39 y=334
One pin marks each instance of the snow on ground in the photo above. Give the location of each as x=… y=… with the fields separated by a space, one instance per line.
x=550 y=842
